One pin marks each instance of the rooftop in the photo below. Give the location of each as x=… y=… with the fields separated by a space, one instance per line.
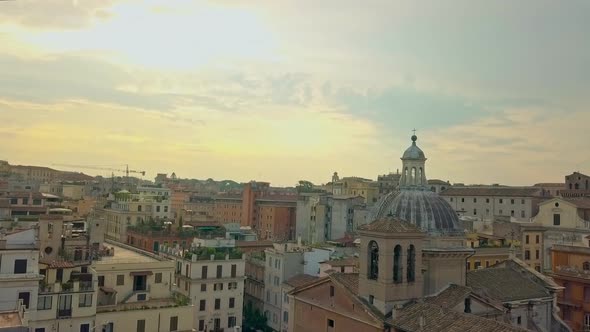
x=492 y=191
x=300 y=280
x=343 y=262
x=506 y=283
x=126 y=254
x=10 y=319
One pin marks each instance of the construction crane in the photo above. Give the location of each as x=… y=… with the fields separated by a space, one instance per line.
x=99 y=167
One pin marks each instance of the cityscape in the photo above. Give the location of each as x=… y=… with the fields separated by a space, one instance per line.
x=294 y=166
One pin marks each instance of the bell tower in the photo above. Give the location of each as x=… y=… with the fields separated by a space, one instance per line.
x=390 y=263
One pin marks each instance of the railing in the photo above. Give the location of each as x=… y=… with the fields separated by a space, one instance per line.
x=64 y=313
x=139 y=291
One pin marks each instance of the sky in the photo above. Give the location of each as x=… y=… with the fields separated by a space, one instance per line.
x=498 y=91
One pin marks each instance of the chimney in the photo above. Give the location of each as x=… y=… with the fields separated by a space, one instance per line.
x=395 y=312
x=421 y=322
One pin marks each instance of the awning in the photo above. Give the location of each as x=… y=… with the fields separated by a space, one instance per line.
x=107 y=290
x=141 y=273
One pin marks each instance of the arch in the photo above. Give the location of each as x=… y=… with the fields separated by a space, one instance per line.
x=411 y=266
x=577 y=186
x=397 y=264
x=586 y=266
x=421 y=176
x=373 y=272
x=413 y=176
x=433 y=189
x=406 y=176
x=570 y=186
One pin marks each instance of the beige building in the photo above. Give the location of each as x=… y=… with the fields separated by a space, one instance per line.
x=355 y=186
x=486 y=203
x=560 y=221
x=213 y=279
x=125 y=208
x=136 y=292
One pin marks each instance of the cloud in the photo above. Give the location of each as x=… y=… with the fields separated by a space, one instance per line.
x=55 y=14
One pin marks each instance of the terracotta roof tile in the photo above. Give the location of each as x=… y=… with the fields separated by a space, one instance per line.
x=343 y=262
x=436 y=318
x=390 y=225
x=301 y=280
x=504 y=283
x=450 y=297
x=580 y=202
x=348 y=280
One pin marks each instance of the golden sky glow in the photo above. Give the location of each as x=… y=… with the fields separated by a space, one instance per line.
x=289 y=90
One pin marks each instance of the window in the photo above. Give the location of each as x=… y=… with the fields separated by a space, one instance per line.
x=217 y=304
x=232 y=302
x=219 y=271
x=203 y=287
x=537 y=239
x=527 y=255
x=120 y=279
x=330 y=323
x=451 y=199
x=468 y=266
x=285 y=316
x=270 y=262
x=204 y=272
x=158 y=278
x=487 y=263
x=331 y=291
x=501 y=212
x=232 y=285
x=522 y=214
x=371 y=299
x=512 y=201
x=537 y=254
x=233 y=270
x=556 y=219
x=14 y=201
x=231 y=321
x=526 y=239
x=512 y=213
x=202 y=305
x=474 y=200
x=158 y=208
x=85 y=327
x=474 y=212
x=587 y=321
x=217 y=324
x=501 y=201
x=538 y=268
x=141 y=325
x=487 y=212
x=218 y=286
x=25 y=201
x=174 y=323
x=20 y=266
x=462 y=199
x=85 y=300
x=477 y=265
x=487 y=200
x=586 y=294
x=519 y=320
x=40 y=329
x=586 y=266
x=467 y=305
x=165 y=208
x=100 y=281
x=26 y=297
x=373 y=272
x=44 y=302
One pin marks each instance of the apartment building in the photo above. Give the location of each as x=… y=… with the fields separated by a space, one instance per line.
x=571 y=270
x=486 y=203
x=355 y=186
x=323 y=217
x=283 y=262
x=125 y=208
x=136 y=292
x=255 y=267
x=211 y=274
x=19 y=276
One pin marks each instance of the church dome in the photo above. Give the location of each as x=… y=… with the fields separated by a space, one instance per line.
x=413 y=152
x=424 y=209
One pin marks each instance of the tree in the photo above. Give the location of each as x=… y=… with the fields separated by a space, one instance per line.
x=304 y=186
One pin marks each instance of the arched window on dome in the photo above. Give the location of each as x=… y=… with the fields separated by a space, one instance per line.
x=397 y=264
x=411 y=277
x=420 y=176
x=413 y=176
x=373 y=272
x=406 y=179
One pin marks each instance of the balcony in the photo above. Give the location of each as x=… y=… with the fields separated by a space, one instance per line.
x=64 y=313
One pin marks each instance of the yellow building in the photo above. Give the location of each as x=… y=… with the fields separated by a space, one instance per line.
x=489 y=250
x=355 y=186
